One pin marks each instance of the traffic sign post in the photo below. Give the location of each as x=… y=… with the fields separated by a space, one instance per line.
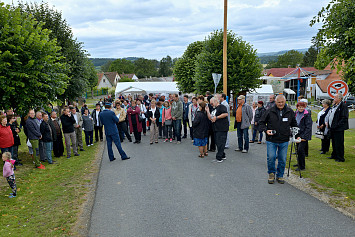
x=336 y=87
x=216 y=78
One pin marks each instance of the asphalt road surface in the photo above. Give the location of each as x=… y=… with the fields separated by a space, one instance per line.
x=166 y=190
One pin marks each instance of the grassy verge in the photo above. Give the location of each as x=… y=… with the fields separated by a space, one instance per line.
x=334 y=178
x=48 y=200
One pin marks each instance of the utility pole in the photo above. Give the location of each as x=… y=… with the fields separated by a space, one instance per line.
x=225 y=48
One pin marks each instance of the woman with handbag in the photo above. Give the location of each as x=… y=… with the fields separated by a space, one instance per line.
x=135 y=125
x=201 y=125
x=167 y=121
x=143 y=110
x=321 y=126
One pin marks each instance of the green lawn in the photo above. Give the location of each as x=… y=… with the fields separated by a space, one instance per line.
x=338 y=178
x=48 y=200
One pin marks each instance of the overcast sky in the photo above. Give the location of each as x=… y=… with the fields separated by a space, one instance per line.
x=156 y=28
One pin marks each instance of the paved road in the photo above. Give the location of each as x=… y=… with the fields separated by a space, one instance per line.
x=166 y=190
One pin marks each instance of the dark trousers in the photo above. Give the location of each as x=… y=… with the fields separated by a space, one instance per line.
x=177 y=129
x=114 y=138
x=58 y=147
x=12 y=183
x=98 y=130
x=220 y=139
x=212 y=144
x=89 y=137
x=122 y=130
x=192 y=133
x=137 y=135
x=242 y=134
x=301 y=154
x=168 y=131
x=144 y=126
x=338 y=145
x=161 y=130
x=325 y=144
x=306 y=149
x=42 y=151
x=185 y=123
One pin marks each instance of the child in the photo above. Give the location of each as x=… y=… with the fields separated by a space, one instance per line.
x=8 y=172
x=167 y=121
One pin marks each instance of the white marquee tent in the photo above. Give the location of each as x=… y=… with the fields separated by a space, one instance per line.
x=146 y=87
x=260 y=94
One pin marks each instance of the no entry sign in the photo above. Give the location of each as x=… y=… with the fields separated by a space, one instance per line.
x=336 y=87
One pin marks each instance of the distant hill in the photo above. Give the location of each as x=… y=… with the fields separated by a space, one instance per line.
x=265 y=58
x=98 y=62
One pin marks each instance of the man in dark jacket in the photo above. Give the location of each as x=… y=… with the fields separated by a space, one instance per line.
x=54 y=122
x=68 y=122
x=338 y=123
x=277 y=122
x=34 y=134
x=109 y=120
x=185 y=115
x=97 y=123
x=47 y=137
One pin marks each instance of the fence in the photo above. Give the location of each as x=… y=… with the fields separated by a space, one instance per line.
x=96 y=93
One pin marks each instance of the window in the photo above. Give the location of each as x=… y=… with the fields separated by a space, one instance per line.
x=104 y=80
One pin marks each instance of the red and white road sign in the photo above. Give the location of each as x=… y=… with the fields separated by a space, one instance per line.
x=336 y=87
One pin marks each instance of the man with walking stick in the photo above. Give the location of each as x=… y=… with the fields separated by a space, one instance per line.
x=277 y=122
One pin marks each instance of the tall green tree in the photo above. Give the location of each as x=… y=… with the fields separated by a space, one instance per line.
x=145 y=68
x=244 y=68
x=122 y=66
x=165 y=67
x=337 y=37
x=31 y=69
x=184 y=69
x=75 y=56
x=106 y=66
x=291 y=58
x=310 y=57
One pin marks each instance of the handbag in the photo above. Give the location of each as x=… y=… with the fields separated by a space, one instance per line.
x=140 y=118
x=168 y=122
x=319 y=135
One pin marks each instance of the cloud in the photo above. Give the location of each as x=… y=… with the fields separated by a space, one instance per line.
x=155 y=28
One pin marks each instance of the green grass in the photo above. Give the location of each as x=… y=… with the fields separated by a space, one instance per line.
x=338 y=178
x=48 y=200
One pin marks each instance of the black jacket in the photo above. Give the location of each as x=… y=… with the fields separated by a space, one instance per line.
x=17 y=140
x=156 y=115
x=340 y=120
x=259 y=112
x=54 y=131
x=93 y=115
x=200 y=125
x=271 y=120
x=46 y=133
x=67 y=123
x=305 y=126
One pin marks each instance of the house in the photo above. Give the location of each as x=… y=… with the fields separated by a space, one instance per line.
x=107 y=80
x=324 y=80
x=130 y=76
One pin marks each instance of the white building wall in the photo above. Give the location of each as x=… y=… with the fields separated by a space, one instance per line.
x=104 y=83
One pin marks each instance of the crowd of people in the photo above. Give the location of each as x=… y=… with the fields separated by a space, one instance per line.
x=204 y=119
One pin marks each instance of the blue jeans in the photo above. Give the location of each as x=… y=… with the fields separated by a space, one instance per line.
x=177 y=129
x=279 y=151
x=243 y=133
x=116 y=139
x=260 y=135
x=48 y=147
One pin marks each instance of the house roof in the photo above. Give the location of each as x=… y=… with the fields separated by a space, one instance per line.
x=130 y=76
x=99 y=75
x=111 y=77
x=281 y=72
x=334 y=76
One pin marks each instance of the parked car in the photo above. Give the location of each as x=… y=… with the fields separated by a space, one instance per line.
x=350 y=101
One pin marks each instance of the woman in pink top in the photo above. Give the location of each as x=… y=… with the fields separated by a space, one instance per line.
x=8 y=172
x=167 y=121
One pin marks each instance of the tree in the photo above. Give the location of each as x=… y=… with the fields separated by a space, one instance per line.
x=244 y=68
x=122 y=66
x=75 y=56
x=106 y=66
x=145 y=68
x=310 y=57
x=184 y=69
x=165 y=67
x=291 y=58
x=337 y=37
x=31 y=71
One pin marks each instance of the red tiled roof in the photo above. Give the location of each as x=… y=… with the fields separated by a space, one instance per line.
x=334 y=76
x=130 y=76
x=280 y=72
x=99 y=75
x=111 y=77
